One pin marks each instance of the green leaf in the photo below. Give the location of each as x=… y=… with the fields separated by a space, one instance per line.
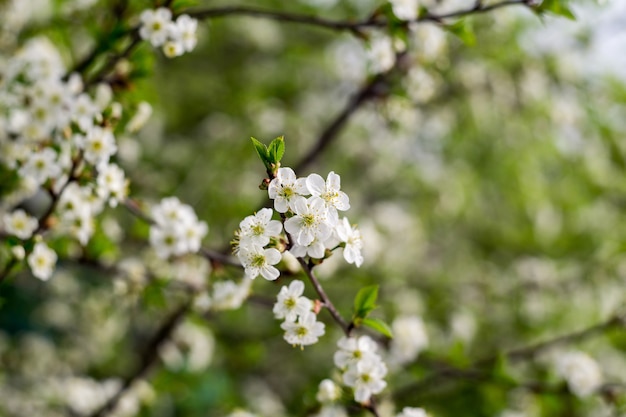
x=261 y=149
x=462 y=29
x=378 y=325
x=557 y=7
x=365 y=301
x=276 y=150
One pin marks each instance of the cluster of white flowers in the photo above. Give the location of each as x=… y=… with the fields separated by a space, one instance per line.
x=174 y=37
x=301 y=326
x=363 y=369
x=176 y=229
x=53 y=131
x=226 y=295
x=581 y=371
x=310 y=206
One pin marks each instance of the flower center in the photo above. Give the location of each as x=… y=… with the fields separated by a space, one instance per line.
x=258 y=260
x=302 y=331
x=287 y=192
x=308 y=220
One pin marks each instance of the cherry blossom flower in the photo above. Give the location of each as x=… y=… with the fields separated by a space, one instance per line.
x=306 y=331
x=155 y=25
x=366 y=378
x=42 y=261
x=39 y=166
x=259 y=228
x=351 y=236
x=309 y=223
x=352 y=350
x=581 y=372
x=291 y=303
x=330 y=192
x=286 y=190
x=257 y=260
x=19 y=223
x=405 y=9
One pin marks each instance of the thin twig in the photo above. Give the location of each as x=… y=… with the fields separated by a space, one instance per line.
x=327 y=303
x=372 y=89
x=515 y=355
x=149 y=357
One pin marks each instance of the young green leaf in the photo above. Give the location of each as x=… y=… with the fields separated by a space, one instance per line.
x=463 y=30
x=276 y=150
x=365 y=301
x=261 y=149
x=378 y=325
x=557 y=7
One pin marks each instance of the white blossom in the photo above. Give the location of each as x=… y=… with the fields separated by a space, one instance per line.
x=286 y=190
x=366 y=378
x=112 y=184
x=405 y=9
x=409 y=339
x=184 y=32
x=352 y=350
x=351 y=236
x=291 y=303
x=412 y=412
x=39 y=166
x=328 y=391
x=42 y=261
x=258 y=261
x=309 y=223
x=381 y=54
x=581 y=372
x=155 y=25
x=258 y=228
x=305 y=331
x=19 y=223
x=99 y=145
x=330 y=193
x=176 y=229
x=228 y=295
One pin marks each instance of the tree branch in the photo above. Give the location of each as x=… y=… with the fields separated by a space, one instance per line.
x=515 y=355
x=327 y=303
x=149 y=356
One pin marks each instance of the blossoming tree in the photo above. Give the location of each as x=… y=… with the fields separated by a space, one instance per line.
x=436 y=225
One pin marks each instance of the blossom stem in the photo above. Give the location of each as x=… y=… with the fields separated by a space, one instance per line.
x=327 y=303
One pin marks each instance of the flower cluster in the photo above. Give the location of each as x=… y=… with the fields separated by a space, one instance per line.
x=58 y=137
x=363 y=369
x=581 y=371
x=301 y=326
x=176 y=229
x=174 y=37
x=310 y=208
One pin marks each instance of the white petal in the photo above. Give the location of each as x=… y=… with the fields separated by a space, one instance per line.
x=316 y=184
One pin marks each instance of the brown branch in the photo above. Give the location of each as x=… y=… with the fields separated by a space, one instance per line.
x=376 y=87
x=8 y=268
x=219 y=12
x=327 y=303
x=343 y=25
x=516 y=355
x=149 y=357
